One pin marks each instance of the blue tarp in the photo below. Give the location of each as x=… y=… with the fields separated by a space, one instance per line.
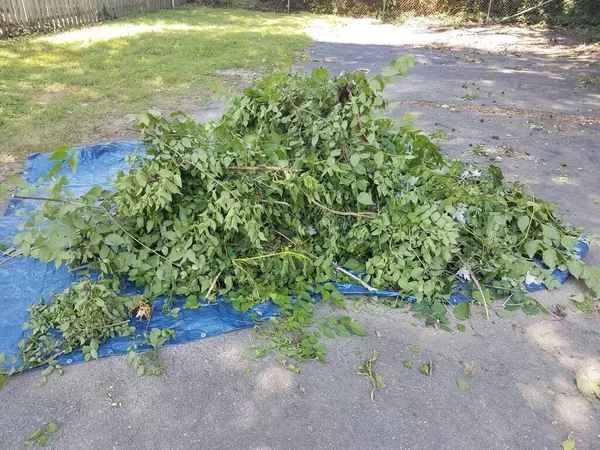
x=26 y=280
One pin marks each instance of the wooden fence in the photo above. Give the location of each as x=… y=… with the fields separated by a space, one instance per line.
x=17 y=16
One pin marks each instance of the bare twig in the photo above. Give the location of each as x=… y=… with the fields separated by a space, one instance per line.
x=275 y=202
x=47 y=361
x=41 y=199
x=364 y=215
x=547 y=309
x=10 y=257
x=284 y=236
x=75 y=269
x=476 y=281
x=112 y=325
x=262 y=167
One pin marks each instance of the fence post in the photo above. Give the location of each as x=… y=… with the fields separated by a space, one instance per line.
x=489 y=10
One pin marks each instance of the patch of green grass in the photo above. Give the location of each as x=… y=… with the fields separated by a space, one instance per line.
x=589 y=79
x=437 y=19
x=78 y=86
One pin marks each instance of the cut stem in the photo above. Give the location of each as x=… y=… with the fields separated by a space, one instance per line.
x=364 y=215
x=476 y=281
x=354 y=277
x=10 y=257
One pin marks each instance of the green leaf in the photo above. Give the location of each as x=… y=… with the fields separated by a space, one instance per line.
x=258 y=352
x=35 y=434
x=426 y=369
x=550 y=392
x=191 y=302
x=379 y=158
x=414 y=349
x=523 y=223
x=357 y=328
x=408 y=364
x=462 y=311
x=578 y=298
x=462 y=384
x=338 y=298
x=549 y=258
x=506 y=313
x=19 y=182
x=568 y=444
x=389 y=71
x=3 y=380
x=587 y=386
x=114 y=240
x=365 y=198
x=73 y=160
x=2 y=358
x=59 y=153
x=51 y=427
x=461 y=327
x=550 y=232
x=42 y=440
x=375 y=84
x=531 y=248
x=575 y=268
x=355 y=159
x=55 y=168
x=342 y=331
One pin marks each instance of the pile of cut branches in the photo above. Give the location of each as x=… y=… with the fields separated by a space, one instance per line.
x=301 y=175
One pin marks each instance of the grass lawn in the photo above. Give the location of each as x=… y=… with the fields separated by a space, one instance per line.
x=78 y=86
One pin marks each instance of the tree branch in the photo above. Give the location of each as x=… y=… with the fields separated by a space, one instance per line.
x=42 y=199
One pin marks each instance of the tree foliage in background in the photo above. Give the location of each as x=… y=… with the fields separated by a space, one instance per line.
x=575 y=13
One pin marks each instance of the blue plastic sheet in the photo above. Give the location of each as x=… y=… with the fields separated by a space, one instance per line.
x=25 y=280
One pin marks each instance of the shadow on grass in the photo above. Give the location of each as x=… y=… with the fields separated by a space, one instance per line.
x=69 y=87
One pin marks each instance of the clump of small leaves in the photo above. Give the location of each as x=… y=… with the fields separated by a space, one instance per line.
x=589 y=79
x=81 y=317
x=303 y=175
x=366 y=368
x=426 y=369
x=149 y=362
x=479 y=149
x=590 y=388
x=40 y=435
x=3 y=371
x=586 y=304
